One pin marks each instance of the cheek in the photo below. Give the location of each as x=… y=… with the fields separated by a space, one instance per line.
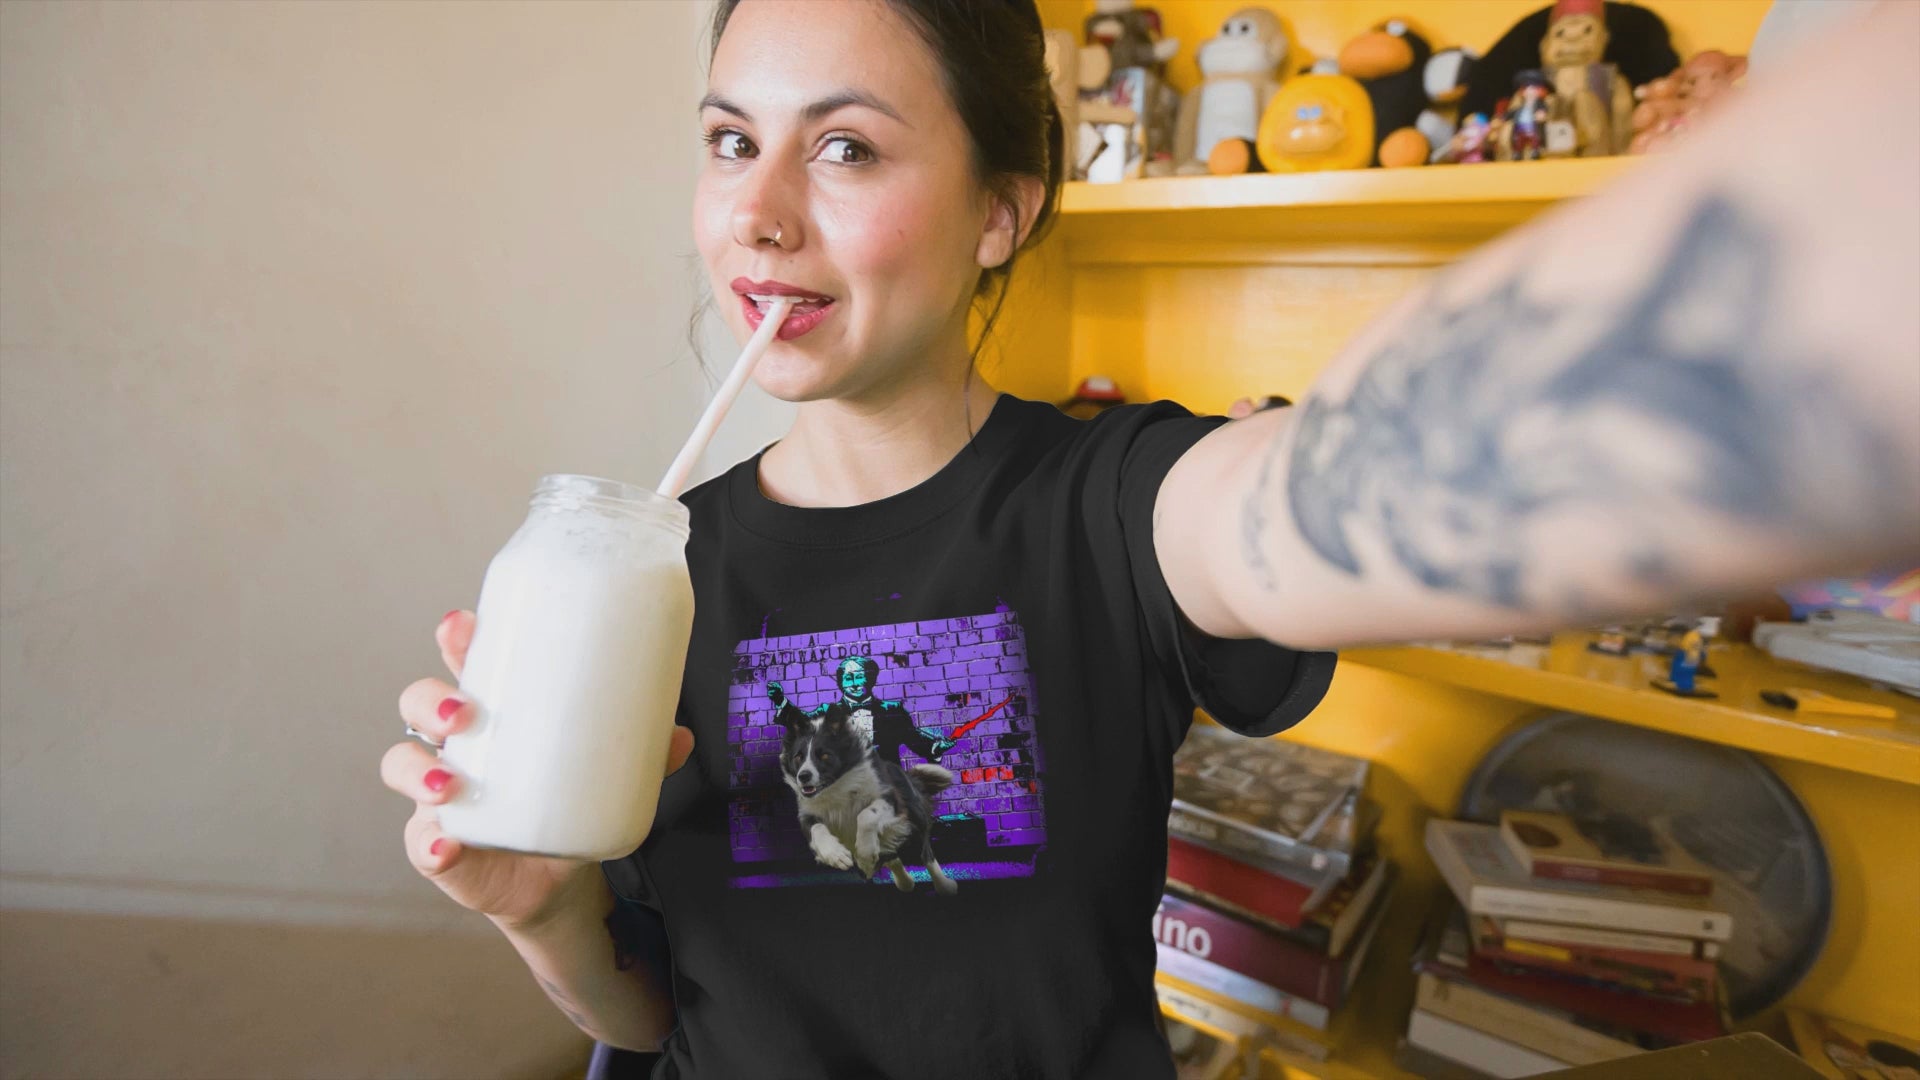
x=905 y=236
x=712 y=222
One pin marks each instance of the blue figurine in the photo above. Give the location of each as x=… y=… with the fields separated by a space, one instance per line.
x=1688 y=659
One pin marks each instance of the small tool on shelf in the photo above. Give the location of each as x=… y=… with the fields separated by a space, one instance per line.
x=1799 y=699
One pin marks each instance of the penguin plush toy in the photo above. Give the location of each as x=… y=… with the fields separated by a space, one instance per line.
x=1404 y=77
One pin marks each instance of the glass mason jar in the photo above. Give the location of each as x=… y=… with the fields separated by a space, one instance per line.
x=579 y=643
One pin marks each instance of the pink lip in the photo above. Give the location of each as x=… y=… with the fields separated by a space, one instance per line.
x=795 y=325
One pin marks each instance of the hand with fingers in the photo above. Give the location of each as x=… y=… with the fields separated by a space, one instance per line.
x=1247 y=406
x=512 y=888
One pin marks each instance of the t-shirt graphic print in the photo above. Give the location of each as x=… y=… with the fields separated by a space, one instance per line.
x=898 y=754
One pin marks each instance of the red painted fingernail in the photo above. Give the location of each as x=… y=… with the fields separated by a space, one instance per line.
x=449 y=614
x=436 y=779
x=434 y=849
x=449 y=706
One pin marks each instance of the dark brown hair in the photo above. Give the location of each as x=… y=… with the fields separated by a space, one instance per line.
x=992 y=57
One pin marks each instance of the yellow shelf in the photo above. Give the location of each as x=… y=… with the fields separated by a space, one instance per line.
x=1158 y=220
x=1566 y=675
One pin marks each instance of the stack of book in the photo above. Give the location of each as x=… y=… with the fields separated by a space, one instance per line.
x=1556 y=952
x=1273 y=889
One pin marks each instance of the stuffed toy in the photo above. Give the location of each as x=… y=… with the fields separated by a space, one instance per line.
x=1669 y=104
x=1390 y=61
x=1317 y=121
x=1637 y=44
x=1594 y=94
x=1405 y=78
x=1237 y=68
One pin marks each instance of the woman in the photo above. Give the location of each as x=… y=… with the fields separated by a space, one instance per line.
x=1704 y=380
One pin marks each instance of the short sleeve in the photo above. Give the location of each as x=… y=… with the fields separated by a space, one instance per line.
x=1249 y=685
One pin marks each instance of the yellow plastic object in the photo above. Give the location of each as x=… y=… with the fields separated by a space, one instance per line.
x=1315 y=123
x=1802 y=700
x=1567 y=675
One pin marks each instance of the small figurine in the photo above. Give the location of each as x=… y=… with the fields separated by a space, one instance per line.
x=1687 y=660
x=1470 y=144
x=1529 y=114
x=1237 y=68
x=1317 y=121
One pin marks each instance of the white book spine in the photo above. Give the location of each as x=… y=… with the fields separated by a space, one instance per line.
x=1476 y=1049
x=1598 y=911
x=1229 y=983
x=1559 y=934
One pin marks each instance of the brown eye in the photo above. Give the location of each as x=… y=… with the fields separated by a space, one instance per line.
x=841 y=150
x=729 y=144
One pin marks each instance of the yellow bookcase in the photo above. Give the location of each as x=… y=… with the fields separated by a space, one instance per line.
x=1205 y=289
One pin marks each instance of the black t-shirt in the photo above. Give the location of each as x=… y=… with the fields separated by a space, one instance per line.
x=1007 y=615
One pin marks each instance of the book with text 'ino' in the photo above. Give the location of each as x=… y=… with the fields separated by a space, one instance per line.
x=1189 y=926
x=1623 y=852
x=1480 y=870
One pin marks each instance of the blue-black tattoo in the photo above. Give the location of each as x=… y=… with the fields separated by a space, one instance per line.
x=1485 y=416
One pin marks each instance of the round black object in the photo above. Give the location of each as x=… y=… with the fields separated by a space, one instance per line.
x=1721 y=806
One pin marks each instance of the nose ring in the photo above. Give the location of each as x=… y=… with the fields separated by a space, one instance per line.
x=775 y=238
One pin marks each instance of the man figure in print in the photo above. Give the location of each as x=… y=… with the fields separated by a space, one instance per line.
x=885 y=725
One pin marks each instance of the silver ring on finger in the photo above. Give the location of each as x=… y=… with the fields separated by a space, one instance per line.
x=416 y=733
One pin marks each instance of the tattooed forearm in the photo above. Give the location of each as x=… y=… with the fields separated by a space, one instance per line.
x=1489 y=432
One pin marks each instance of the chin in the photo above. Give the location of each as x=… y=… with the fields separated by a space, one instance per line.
x=794 y=377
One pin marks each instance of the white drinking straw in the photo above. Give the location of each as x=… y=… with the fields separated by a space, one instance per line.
x=676 y=477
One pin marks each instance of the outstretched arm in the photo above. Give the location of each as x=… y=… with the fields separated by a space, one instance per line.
x=1705 y=379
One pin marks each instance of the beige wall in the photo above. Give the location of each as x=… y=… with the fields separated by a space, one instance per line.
x=296 y=302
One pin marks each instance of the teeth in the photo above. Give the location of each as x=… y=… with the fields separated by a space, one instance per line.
x=767 y=301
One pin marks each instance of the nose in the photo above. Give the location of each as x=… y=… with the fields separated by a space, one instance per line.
x=769 y=206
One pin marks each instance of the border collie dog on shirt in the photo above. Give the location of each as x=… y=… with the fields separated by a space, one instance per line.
x=857 y=809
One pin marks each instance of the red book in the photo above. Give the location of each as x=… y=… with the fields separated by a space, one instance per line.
x=1209 y=873
x=1258 y=954
x=1663 y=1019
x=1681 y=977
x=1625 y=969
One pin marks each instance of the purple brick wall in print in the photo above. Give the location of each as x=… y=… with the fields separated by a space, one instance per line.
x=964 y=679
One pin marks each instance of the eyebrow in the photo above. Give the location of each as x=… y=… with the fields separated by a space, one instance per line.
x=815 y=111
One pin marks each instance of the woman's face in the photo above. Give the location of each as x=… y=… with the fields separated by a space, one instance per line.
x=829 y=127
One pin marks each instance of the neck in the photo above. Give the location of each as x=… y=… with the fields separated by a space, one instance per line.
x=849 y=451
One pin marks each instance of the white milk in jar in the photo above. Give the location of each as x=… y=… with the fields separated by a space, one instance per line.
x=579 y=642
